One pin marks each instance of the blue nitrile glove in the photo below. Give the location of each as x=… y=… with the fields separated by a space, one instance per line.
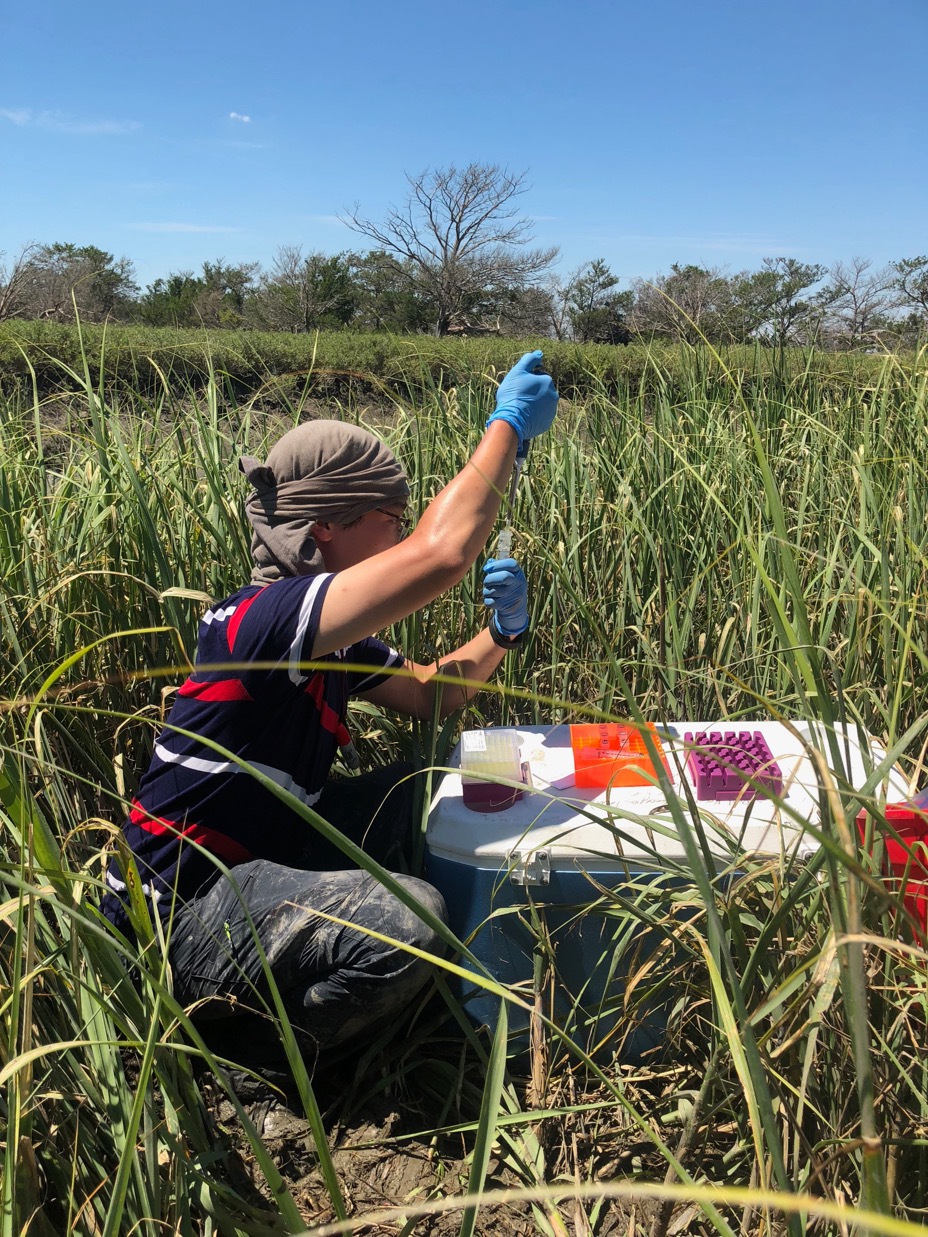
x=505 y=591
x=525 y=400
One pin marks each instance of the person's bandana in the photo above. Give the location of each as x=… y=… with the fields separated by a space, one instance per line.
x=324 y=471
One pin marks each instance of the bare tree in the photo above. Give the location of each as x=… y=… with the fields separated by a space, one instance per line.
x=529 y=311
x=560 y=294
x=304 y=292
x=857 y=300
x=459 y=236
x=692 y=303
x=55 y=281
x=13 y=282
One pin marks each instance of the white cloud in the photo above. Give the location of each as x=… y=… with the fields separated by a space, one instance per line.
x=245 y=120
x=183 y=227
x=64 y=122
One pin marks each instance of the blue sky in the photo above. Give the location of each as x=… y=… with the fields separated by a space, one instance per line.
x=716 y=133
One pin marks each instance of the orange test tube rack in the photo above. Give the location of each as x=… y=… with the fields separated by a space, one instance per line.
x=613 y=754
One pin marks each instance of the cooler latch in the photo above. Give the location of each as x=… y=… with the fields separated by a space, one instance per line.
x=530 y=867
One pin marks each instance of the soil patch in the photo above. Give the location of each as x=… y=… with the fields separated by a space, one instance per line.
x=391 y=1154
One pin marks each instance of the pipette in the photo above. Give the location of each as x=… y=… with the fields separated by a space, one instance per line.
x=504 y=541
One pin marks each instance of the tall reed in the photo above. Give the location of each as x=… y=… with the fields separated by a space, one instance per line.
x=712 y=550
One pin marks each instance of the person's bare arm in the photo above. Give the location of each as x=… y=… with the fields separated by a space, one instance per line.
x=458 y=676
x=393 y=584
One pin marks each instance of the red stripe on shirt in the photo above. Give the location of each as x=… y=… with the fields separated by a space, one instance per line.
x=235 y=621
x=217 y=843
x=328 y=718
x=225 y=689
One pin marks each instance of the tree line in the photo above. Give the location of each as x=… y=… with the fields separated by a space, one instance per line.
x=456 y=258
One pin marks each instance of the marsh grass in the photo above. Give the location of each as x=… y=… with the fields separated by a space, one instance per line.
x=691 y=552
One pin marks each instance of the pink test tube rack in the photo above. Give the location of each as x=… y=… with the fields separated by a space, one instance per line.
x=721 y=762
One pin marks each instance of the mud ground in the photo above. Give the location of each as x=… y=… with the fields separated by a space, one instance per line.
x=390 y=1162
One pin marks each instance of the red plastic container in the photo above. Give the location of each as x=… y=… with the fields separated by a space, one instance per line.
x=905 y=862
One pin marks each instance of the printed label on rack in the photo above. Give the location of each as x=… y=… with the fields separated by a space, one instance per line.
x=473 y=741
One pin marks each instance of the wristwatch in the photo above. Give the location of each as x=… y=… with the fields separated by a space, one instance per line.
x=505 y=642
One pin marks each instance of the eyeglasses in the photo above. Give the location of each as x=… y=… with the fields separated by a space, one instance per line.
x=403 y=522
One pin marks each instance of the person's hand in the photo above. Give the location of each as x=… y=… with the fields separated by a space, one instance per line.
x=526 y=400
x=505 y=591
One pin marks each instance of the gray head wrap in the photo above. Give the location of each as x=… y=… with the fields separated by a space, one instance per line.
x=319 y=471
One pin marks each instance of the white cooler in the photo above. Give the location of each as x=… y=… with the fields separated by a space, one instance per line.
x=566 y=860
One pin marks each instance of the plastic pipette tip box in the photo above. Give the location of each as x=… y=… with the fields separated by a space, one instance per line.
x=610 y=754
x=731 y=764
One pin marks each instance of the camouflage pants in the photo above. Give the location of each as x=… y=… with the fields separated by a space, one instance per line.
x=335 y=979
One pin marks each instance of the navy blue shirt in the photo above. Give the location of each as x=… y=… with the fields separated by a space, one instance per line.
x=249 y=695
